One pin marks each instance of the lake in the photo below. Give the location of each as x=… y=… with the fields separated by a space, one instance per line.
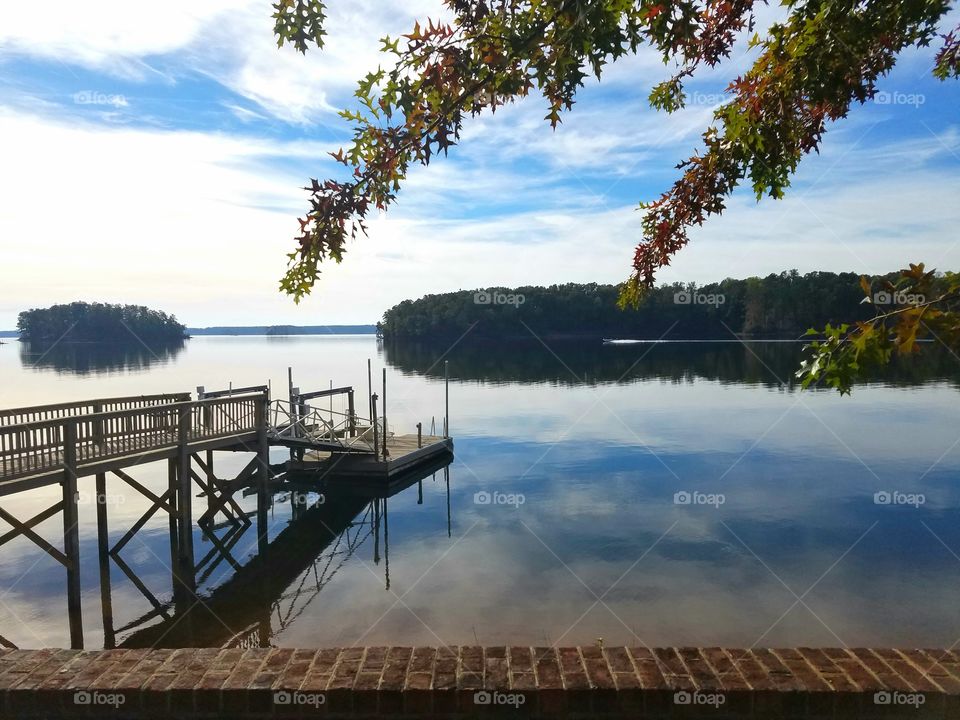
x=659 y=494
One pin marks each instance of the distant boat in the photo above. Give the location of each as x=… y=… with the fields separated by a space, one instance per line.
x=613 y=341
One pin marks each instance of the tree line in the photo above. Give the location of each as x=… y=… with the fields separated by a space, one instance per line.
x=98 y=322
x=780 y=305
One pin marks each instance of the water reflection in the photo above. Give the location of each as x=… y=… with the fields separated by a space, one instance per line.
x=75 y=358
x=329 y=524
x=586 y=362
x=599 y=465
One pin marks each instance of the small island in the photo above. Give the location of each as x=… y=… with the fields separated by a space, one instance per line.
x=98 y=322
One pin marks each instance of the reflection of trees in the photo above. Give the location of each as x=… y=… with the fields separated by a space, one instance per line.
x=733 y=362
x=97 y=358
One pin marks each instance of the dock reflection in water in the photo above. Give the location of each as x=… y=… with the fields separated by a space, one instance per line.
x=331 y=521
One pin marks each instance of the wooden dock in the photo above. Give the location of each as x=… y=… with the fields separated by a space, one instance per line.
x=60 y=444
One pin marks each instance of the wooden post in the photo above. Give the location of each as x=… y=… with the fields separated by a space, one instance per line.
x=351 y=415
x=302 y=416
x=98 y=438
x=373 y=419
x=173 y=492
x=419 y=435
x=263 y=475
x=103 y=546
x=369 y=388
x=185 y=499
x=71 y=533
x=446 y=413
x=207 y=420
x=384 y=412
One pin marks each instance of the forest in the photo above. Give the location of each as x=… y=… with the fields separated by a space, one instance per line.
x=780 y=305
x=98 y=322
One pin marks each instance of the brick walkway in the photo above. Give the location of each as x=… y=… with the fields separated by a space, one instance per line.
x=465 y=682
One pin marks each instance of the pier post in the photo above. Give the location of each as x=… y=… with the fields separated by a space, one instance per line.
x=185 y=500
x=369 y=388
x=103 y=547
x=174 y=526
x=383 y=411
x=201 y=393
x=263 y=474
x=376 y=427
x=419 y=435
x=351 y=415
x=98 y=437
x=446 y=412
x=71 y=533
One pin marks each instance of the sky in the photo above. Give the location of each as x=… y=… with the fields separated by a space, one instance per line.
x=155 y=153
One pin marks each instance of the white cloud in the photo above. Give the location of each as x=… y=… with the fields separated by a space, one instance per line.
x=230 y=41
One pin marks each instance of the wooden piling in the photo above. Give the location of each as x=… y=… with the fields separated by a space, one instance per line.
x=185 y=501
x=71 y=533
x=351 y=415
x=173 y=492
x=376 y=427
x=384 y=412
x=263 y=475
x=103 y=548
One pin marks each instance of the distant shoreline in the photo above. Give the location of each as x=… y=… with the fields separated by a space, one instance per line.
x=257 y=330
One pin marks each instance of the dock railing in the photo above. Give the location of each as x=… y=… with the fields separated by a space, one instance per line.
x=41 y=413
x=38 y=447
x=301 y=421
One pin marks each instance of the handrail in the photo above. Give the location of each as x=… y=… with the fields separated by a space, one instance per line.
x=88 y=407
x=123 y=413
x=34 y=448
x=232 y=392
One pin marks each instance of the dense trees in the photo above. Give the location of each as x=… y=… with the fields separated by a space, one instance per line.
x=98 y=322
x=781 y=306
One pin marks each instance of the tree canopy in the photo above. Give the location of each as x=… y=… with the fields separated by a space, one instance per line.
x=781 y=306
x=811 y=68
x=98 y=322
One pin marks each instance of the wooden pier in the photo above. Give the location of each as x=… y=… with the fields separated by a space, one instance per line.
x=61 y=444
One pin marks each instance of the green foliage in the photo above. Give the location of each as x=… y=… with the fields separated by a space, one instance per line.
x=912 y=307
x=781 y=305
x=299 y=22
x=98 y=322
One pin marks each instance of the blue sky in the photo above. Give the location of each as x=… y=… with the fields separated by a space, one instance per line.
x=155 y=154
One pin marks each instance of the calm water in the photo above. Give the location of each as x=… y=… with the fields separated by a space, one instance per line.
x=590 y=448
